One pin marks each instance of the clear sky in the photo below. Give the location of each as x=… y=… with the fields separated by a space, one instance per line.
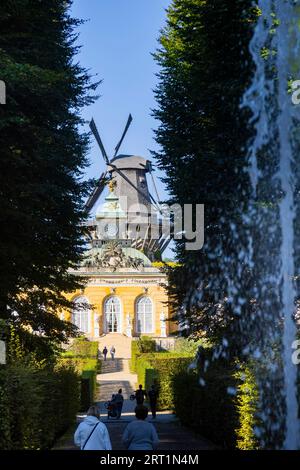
x=117 y=41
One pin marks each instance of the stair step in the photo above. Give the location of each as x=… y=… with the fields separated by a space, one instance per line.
x=121 y=343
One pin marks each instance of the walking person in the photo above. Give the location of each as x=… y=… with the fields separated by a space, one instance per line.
x=91 y=434
x=140 y=395
x=152 y=395
x=112 y=352
x=119 y=400
x=104 y=352
x=139 y=434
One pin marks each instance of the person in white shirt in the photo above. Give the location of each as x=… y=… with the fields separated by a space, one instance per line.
x=91 y=434
x=140 y=434
x=112 y=352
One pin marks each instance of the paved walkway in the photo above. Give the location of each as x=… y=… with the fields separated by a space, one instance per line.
x=114 y=375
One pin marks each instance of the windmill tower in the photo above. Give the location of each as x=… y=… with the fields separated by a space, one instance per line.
x=130 y=213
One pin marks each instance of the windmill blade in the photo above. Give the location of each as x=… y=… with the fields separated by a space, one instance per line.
x=96 y=192
x=155 y=187
x=164 y=245
x=99 y=141
x=124 y=133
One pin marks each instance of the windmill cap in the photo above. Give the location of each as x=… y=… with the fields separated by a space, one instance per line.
x=130 y=162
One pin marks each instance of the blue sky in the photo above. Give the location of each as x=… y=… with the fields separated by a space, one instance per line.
x=117 y=41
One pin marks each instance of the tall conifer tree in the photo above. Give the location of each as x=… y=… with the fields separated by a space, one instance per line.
x=205 y=68
x=43 y=156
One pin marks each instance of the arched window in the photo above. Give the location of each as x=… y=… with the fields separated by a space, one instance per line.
x=144 y=320
x=81 y=314
x=112 y=314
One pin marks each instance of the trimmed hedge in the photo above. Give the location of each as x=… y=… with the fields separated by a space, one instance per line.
x=147 y=344
x=247 y=406
x=36 y=405
x=83 y=356
x=82 y=347
x=135 y=352
x=88 y=388
x=208 y=409
x=160 y=369
x=144 y=345
x=224 y=407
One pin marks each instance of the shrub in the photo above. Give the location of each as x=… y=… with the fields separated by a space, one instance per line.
x=185 y=345
x=160 y=368
x=208 y=409
x=143 y=345
x=88 y=388
x=147 y=344
x=87 y=368
x=82 y=347
x=135 y=351
x=223 y=401
x=38 y=404
x=247 y=405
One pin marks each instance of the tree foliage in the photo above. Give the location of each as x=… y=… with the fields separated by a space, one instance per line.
x=43 y=156
x=205 y=68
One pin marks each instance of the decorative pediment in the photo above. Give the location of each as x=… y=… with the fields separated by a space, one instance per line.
x=113 y=256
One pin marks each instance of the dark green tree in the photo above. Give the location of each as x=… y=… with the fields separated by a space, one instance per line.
x=43 y=156
x=205 y=67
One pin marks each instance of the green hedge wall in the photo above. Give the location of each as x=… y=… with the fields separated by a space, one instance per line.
x=143 y=345
x=147 y=344
x=247 y=406
x=82 y=347
x=160 y=369
x=135 y=352
x=208 y=409
x=88 y=388
x=83 y=356
x=36 y=405
x=224 y=407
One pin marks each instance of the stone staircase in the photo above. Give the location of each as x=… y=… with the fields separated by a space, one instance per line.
x=121 y=343
x=114 y=375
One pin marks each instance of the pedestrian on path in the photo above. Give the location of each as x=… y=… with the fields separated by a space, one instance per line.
x=91 y=434
x=104 y=352
x=152 y=395
x=112 y=352
x=139 y=434
x=140 y=395
x=119 y=400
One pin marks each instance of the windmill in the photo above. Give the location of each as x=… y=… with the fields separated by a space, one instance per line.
x=129 y=174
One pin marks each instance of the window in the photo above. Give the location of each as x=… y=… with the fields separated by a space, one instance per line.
x=112 y=311
x=144 y=321
x=81 y=314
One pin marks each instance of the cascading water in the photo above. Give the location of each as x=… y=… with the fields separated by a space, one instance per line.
x=275 y=49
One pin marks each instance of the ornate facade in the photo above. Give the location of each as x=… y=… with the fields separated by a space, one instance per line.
x=126 y=293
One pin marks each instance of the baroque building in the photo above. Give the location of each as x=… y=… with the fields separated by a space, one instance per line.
x=126 y=290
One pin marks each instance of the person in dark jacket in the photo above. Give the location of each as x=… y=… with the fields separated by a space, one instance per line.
x=104 y=352
x=140 y=395
x=119 y=400
x=152 y=395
